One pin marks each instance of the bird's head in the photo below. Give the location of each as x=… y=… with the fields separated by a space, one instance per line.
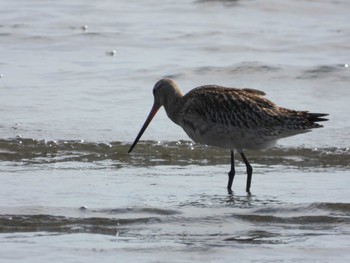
x=165 y=91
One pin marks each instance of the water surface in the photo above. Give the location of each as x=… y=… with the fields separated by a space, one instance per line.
x=75 y=88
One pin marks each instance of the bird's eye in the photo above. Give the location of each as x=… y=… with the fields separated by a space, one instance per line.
x=154 y=91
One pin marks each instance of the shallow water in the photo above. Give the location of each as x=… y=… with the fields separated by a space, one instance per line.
x=75 y=88
x=81 y=201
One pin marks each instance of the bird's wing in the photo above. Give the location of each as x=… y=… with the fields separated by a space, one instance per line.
x=227 y=106
x=254 y=91
x=242 y=109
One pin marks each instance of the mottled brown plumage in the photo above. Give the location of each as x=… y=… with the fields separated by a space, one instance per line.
x=230 y=118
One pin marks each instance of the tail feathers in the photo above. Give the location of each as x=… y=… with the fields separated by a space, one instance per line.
x=316 y=117
x=299 y=122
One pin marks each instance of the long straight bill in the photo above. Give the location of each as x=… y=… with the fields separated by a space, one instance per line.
x=153 y=112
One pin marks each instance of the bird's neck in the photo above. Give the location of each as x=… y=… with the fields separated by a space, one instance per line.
x=172 y=104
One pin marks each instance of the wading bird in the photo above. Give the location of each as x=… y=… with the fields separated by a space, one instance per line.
x=230 y=118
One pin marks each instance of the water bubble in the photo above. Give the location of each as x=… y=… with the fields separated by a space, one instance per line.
x=346 y=65
x=111 y=53
x=83 y=207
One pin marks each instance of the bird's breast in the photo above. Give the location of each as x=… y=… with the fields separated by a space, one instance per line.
x=225 y=136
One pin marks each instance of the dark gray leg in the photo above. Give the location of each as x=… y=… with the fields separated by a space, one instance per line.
x=231 y=174
x=249 y=171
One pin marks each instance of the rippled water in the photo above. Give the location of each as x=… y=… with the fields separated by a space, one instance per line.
x=171 y=195
x=151 y=153
x=75 y=88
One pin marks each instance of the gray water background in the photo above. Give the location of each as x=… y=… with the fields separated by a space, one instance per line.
x=76 y=85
